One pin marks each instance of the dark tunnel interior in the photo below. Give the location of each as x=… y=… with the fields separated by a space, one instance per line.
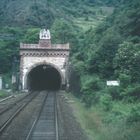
x=44 y=77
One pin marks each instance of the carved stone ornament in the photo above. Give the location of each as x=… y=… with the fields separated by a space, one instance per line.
x=44 y=34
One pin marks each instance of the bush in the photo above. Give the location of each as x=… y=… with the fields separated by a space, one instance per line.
x=90 y=85
x=125 y=80
x=89 y=98
x=106 y=102
x=134 y=115
x=89 y=82
x=114 y=92
x=127 y=60
x=132 y=92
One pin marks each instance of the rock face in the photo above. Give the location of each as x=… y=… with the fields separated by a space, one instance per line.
x=44 y=53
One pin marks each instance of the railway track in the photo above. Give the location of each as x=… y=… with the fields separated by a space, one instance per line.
x=17 y=107
x=7 y=98
x=13 y=104
x=36 y=119
x=45 y=126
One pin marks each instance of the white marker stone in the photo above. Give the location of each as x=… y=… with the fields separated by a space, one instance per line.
x=113 y=83
x=0 y=82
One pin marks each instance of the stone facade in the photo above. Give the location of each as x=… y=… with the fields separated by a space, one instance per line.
x=33 y=55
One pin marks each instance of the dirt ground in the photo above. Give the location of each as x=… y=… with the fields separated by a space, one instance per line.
x=69 y=128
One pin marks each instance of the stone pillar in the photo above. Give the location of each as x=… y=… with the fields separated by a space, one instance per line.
x=0 y=82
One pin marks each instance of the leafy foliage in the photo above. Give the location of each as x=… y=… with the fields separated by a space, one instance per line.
x=127 y=60
x=111 y=51
x=31 y=35
x=104 y=46
x=134 y=115
x=62 y=32
x=90 y=87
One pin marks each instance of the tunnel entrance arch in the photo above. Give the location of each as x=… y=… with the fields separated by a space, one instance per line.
x=44 y=53
x=44 y=76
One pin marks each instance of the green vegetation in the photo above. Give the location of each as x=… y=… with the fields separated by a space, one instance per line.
x=120 y=123
x=20 y=21
x=105 y=45
x=3 y=93
x=110 y=52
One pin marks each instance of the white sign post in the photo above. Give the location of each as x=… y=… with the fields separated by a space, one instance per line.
x=0 y=83
x=13 y=79
x=112 y=83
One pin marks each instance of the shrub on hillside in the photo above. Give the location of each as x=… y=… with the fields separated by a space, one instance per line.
x=114 y=92
x=132 y=92
x=125 y=80
x=134 y=115
x=106 y=102
x=127 y=60
x=90 y=87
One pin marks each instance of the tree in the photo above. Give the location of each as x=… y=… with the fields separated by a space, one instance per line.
x=31 y=35
x=127 y=60
x=62 y=32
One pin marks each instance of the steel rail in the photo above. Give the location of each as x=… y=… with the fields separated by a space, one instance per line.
x=36 y=120
x=56 y=119
x=14 y=104
x=7 y=98
x=34 y=129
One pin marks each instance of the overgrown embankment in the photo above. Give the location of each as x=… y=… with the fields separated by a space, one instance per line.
x=120 y=123
x=111 y=52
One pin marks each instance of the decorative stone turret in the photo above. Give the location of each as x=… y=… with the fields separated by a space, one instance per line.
x=45 y=38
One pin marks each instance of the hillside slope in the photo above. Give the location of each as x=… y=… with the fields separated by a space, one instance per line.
x=44 y=12
x=35 y=13
x=110 y=52
x=22 y=20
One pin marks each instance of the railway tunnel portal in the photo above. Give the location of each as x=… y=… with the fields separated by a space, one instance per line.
x=44 y=76
x=44 y=65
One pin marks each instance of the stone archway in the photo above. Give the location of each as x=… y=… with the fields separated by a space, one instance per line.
x=48 y=75
x=53 y=55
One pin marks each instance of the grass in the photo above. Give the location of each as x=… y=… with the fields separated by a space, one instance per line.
x=3 y=93
x=90 y=124
x=105 y=125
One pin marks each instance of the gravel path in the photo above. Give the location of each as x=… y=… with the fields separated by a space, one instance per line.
x=11 y=100
x=20 y=126
x=69 y=128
